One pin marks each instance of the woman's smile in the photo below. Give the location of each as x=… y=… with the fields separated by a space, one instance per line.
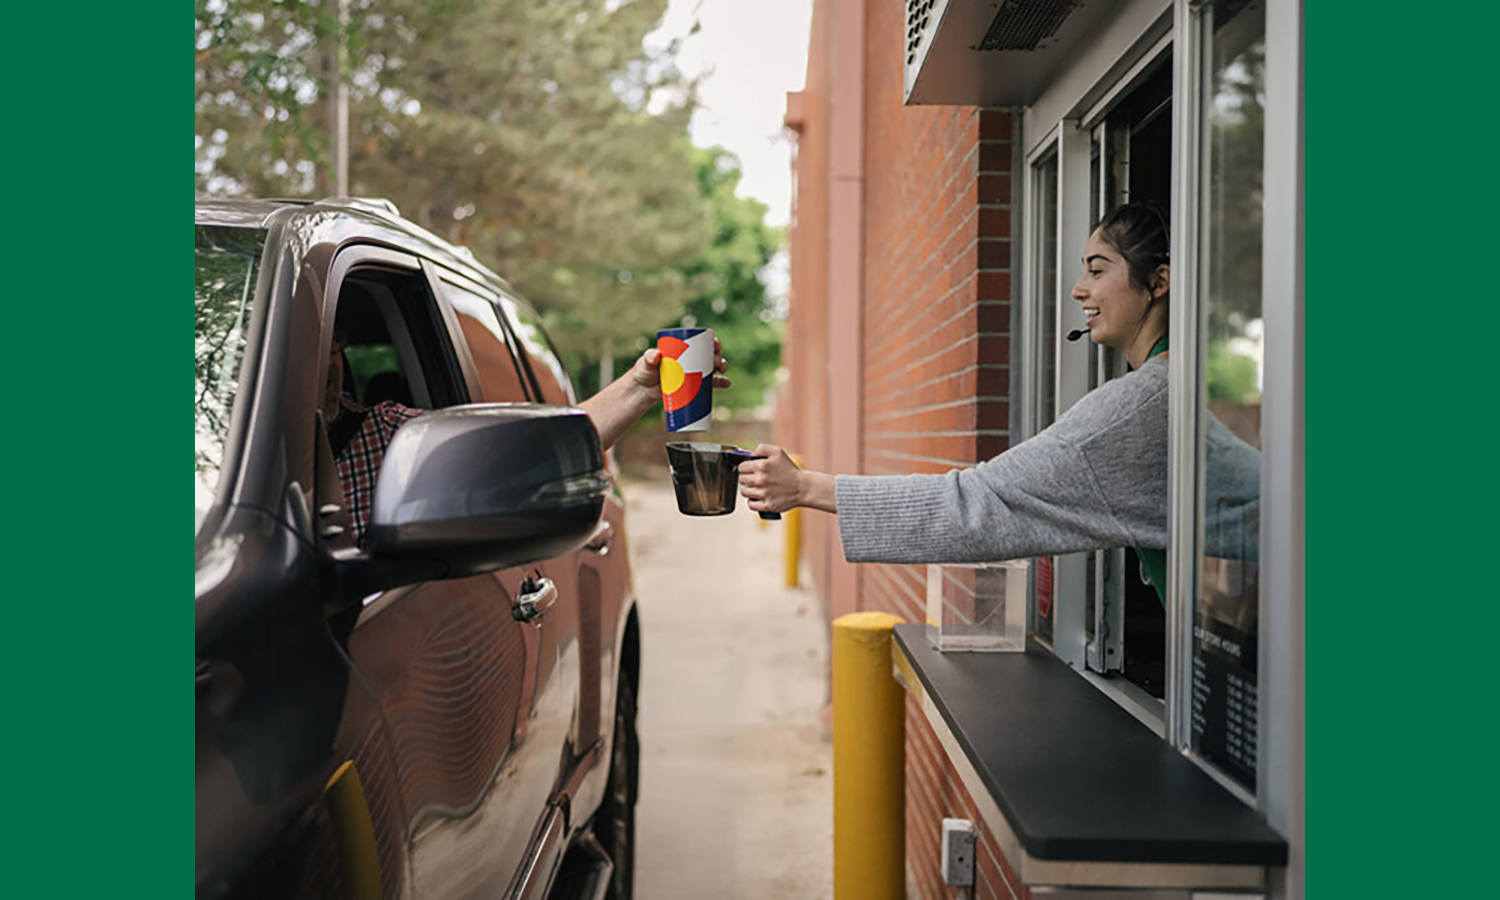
x=1118 y=312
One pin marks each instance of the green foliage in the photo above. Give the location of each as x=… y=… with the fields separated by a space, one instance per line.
x=1231 y=376
x=541 y=135
x=727 y=293
x=731 y=299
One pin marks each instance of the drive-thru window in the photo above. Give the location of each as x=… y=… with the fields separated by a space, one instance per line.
x=1149 y=739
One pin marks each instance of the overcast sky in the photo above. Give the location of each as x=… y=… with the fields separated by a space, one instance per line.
x=755 y=51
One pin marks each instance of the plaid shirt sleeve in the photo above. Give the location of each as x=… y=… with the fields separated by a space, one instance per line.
x=359 y=464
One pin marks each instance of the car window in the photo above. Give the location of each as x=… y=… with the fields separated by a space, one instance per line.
x=397 y=362
x=226 y=262
x=550 y=374
x=499 y=371
x=394 y=345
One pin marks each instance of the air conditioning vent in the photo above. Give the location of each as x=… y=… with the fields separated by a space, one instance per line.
x=1005 y=52
x=918 y=17
x=1022 y=25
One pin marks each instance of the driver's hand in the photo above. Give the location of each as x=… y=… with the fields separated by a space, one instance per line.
x=647 y=369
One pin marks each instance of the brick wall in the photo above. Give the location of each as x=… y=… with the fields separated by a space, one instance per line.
x=801 y=420
x=937 y=345
x=934 y=792
x=935 y=326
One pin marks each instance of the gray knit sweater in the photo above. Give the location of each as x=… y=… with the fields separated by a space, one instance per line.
x=1095 y=479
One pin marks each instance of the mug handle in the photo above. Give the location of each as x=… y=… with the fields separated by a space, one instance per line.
x=744 y=454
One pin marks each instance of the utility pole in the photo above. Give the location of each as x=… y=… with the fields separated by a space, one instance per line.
x=336 y=182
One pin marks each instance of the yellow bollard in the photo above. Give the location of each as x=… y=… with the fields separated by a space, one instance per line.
x=793 y=555
x=793 y=523
x=869 y=779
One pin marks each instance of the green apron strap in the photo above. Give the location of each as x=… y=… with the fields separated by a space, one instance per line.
x=1155 y=561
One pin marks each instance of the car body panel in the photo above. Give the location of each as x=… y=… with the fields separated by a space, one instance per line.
x=475 y=736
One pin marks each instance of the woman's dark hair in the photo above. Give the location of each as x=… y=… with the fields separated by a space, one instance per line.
x=1140 y=233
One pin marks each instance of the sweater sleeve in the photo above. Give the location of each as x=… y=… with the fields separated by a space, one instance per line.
x=1037 y=498
x=1096 y=478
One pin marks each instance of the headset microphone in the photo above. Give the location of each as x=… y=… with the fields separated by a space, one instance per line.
x=1077 y=333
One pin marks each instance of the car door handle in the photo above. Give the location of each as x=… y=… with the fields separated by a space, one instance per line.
x=601 y=539
x=535 y=596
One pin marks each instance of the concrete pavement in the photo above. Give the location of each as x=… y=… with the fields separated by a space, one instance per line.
x=736 y=771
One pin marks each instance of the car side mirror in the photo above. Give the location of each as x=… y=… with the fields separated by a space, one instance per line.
x=487 y=486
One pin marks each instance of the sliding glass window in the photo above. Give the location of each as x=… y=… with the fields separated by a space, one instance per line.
x=1218 y=706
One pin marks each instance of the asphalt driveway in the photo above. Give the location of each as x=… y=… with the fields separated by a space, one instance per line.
x=736 y=770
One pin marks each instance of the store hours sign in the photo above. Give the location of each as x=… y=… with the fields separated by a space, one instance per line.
x=1225 y=697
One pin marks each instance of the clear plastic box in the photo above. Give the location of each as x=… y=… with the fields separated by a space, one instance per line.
x=977 y=606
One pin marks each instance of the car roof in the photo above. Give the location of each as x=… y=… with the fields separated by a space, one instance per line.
x=251 y=213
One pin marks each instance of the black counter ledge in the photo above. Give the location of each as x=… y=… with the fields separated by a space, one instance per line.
x=1077 y=779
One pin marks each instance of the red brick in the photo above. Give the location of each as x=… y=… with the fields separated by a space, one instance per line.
x=994 y=253
x=994 y=222
x=994 y=350
x=992 y=381
x=992 y=415
x=995 y=156
x=993 y=286
x=994 y=189
x=993 y=318
x=994 y=124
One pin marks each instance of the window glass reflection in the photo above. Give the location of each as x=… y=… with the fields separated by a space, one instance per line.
x=1225 y=622
x=551 y=377
x=1046 y=370
x=225 y=264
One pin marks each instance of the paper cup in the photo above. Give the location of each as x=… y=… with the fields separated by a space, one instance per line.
x=687 y=377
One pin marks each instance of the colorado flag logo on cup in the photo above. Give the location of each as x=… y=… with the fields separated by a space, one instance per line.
x=687 y=384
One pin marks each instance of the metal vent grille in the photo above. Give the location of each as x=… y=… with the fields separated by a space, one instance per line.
x=918 y=17
x=1024 y=24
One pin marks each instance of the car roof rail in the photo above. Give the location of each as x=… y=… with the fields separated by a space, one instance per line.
x=374 y=204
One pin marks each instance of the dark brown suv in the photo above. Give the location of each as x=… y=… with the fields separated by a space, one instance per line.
x=441 y=702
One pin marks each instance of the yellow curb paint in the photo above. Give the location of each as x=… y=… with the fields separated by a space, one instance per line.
x=355 y=833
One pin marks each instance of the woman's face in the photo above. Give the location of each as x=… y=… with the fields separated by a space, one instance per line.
x=1115 y=311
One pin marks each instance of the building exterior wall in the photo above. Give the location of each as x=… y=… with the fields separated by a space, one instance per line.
x=801 y=420
x=926 y=294
x=904 y=285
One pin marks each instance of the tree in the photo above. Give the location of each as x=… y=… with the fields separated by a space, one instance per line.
x=727 y=293
x=731 y=298
x=543 y=136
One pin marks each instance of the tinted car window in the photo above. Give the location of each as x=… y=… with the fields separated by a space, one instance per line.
x=226 y=263
x=499 y=371
x=551 y=377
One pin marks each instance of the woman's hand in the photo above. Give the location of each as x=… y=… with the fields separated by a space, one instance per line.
x=646 y=372
x=776 y=484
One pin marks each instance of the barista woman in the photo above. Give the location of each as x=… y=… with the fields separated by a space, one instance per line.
x=1095 y=479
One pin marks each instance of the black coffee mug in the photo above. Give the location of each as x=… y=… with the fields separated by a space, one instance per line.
x=706 y=477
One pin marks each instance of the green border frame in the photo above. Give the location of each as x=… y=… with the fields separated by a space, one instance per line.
x=95 y=667
x=1401 y=597
x=1402 y=609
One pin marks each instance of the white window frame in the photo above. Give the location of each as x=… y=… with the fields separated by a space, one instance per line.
x=1078 y=100
x=1144 y=27
x=1279 y=666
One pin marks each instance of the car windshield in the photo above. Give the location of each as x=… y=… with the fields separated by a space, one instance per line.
x=227 y=261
